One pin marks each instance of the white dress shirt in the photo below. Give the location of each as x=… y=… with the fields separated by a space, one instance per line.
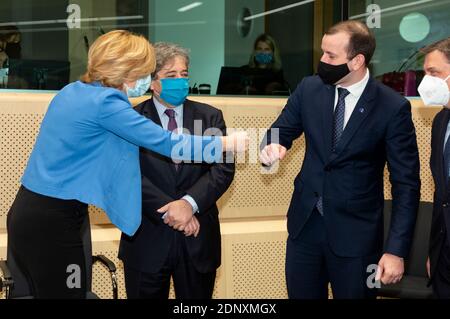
x=165 y=118
x=356 y=90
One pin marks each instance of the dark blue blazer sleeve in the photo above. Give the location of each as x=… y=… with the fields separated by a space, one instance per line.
x=403 y=164
x=207 y=190
x=288 y=125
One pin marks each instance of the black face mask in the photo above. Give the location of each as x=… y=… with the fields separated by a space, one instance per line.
x=330 y=73
x=13 y=50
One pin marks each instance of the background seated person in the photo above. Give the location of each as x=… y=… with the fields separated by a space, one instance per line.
x=10 y=49
x=263 y=73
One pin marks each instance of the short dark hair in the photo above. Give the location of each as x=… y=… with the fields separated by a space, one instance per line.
x=362 y=41
x=442 y=46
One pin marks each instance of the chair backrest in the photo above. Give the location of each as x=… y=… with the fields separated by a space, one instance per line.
x=21 y=287
x=87 y=246
x=415 y=263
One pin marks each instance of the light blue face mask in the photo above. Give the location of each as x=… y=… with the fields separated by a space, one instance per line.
x=140 y=87
x=263 y=58
x=174 y=91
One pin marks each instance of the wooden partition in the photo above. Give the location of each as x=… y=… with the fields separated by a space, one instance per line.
x=252 y=211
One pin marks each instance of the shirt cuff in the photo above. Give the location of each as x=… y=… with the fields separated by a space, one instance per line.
x=191 y=201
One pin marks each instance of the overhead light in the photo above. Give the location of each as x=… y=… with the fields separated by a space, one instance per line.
x=190 y=6
x=400 y=6
x=262 y=14
x=37 y=22
x=113 y=26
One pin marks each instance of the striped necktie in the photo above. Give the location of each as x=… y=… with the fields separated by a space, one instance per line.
x=338 y=128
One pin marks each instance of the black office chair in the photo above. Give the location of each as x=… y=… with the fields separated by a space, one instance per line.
x=16 y=285
x=415 y=279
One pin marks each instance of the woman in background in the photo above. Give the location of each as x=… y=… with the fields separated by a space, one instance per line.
x=264 y=73
x=10 y=38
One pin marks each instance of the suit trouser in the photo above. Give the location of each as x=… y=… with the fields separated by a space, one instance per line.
x=45 y=241
x=311 y=265
x=441 y=277
x=188 y=282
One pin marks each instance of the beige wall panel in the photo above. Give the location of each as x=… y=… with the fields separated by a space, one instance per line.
x=253 y=259
x=252 y=193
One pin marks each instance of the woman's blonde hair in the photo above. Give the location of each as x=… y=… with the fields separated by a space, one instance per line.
x=119 y=56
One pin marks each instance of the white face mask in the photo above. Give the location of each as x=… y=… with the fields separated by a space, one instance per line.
x=434 y=90
x=140 y=87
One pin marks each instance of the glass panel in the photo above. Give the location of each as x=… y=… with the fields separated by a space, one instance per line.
x=401 y=28
x=289 y=25
x=54 y=37
x=44 y=43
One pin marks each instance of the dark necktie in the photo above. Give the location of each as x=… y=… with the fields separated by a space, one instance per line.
x=339 y=116
x=172 y=126
x=338 y=128
x=447 y=160
x=172 y=122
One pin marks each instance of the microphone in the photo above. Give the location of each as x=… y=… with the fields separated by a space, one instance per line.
x=402 y=80
x=86 y=43
x=411 y=56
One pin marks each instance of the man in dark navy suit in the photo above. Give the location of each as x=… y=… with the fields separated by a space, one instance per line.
x=185 y=243
x=434 y=89
x=353 y=125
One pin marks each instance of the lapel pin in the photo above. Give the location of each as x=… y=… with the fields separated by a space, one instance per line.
x=361 y=110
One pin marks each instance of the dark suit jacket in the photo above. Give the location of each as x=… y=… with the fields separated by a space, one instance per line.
x=440 y=223
x=161 y=183
x=350 y=179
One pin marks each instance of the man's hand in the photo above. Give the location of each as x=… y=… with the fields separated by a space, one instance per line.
x=390 y=269
x=428 y=267
x=271 y=153
x=192 y=228
x=177 y=214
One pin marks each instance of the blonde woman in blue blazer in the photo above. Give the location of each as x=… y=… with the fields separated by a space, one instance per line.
x=87 y=152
